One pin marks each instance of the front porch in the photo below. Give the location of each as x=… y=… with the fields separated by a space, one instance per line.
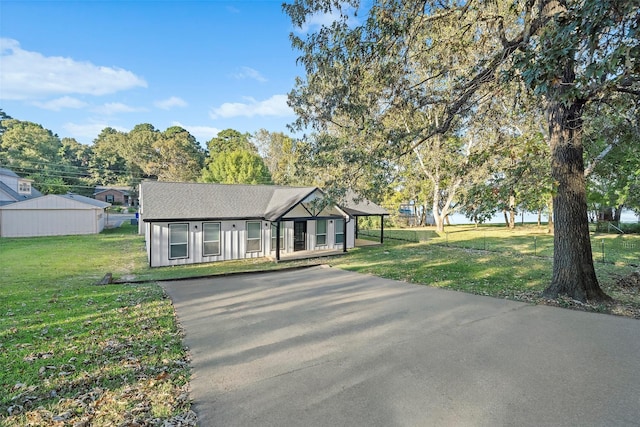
x=291 y=256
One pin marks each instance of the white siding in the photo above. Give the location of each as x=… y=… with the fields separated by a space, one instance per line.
x=311 y=235
x=297 y=212
x=286 y=231
x=232 y=241
x=351 y=233
x=50 y=222
x=288 y=236
x=233 y=238
x=330 y=211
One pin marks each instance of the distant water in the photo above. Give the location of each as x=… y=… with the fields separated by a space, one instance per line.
x=458 y=218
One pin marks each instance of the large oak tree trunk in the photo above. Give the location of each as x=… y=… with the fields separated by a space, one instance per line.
x=573 y=269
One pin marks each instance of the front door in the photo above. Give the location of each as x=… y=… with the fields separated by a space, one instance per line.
x=299 y=235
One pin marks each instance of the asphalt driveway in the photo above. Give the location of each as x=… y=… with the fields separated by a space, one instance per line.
x=325 y=347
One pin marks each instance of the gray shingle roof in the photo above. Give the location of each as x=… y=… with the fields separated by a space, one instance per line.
x=87 y=200
x=101 y=189
x=8 y=172
x=361 y=207
x=11 y=192
x=171 y=200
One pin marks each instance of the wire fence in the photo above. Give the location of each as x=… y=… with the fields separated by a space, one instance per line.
x=615 y=249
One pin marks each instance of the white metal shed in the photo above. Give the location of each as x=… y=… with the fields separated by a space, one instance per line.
x=53 y=215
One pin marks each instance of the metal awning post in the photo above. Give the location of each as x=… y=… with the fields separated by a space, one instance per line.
x=356 y=219
x=344 y=234
x=277 y=241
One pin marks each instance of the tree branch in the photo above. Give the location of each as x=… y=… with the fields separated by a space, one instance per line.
x=484 y=76
x=598 y=159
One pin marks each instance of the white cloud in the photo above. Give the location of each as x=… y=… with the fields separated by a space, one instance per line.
x=202 y=133
x=31 y=75
x=61 y=103
x=274 y=106
x=89 y=131
x=318 y=20
x=249 y=73
x=167 y=104
x=117 y=107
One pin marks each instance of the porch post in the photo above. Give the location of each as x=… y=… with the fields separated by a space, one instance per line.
x=277 y=241
x=344 y=233
x=356 y=219
x=381 y=229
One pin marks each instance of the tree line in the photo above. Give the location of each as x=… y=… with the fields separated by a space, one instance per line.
x=60 y=165
x=502 y=168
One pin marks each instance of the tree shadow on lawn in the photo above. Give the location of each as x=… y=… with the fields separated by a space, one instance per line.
x=475 y=271
x=89 y=342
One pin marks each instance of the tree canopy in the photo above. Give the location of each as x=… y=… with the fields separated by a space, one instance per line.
x=115 y=158
x=413 y=70
x=237 y=167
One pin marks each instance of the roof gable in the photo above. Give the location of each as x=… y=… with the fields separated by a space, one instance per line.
x=286 y=199
x=14 y=195
x=171 y=200
x=121 y=190
x=164 y=201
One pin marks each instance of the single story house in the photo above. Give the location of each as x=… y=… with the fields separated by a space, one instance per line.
x=14 y=189
x=189 y=223
x=115 y=195
x=52 y=215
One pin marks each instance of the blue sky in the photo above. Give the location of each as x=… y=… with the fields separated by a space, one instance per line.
x=76 y=67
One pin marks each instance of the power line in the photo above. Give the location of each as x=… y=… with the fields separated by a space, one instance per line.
x=71 y=174
x=61 y=174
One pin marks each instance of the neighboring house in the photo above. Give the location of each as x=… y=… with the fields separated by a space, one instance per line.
x=14 y=188
x=115 y=195
x=188 y=223
x=52 y=215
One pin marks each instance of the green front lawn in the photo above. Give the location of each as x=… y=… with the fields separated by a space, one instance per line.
x=74 y=352
x=495 y=261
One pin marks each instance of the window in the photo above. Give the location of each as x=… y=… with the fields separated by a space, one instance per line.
x=273 y=237
x=321 y=232
x=254 y=236
x=109 y=198
x=339 y=231
x=211 y=238
x=24 y=187
x=178 y=241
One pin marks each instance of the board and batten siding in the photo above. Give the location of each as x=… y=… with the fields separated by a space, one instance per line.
x=233 y=242
x=331 y=235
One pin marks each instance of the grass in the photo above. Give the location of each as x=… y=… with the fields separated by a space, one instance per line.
x=73 y=352
x=495 y=261
x=523 y=240
x=76 y=353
